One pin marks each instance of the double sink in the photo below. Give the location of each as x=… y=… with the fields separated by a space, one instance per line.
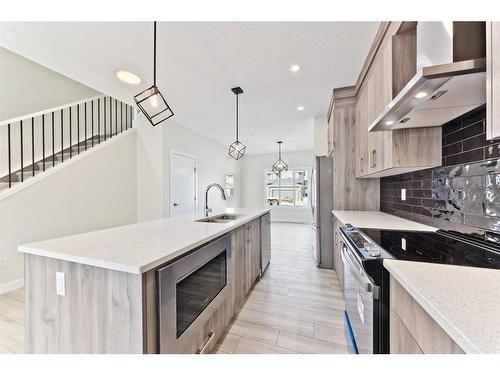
x=220 y=219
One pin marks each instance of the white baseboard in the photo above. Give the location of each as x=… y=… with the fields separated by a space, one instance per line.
x=10 y=286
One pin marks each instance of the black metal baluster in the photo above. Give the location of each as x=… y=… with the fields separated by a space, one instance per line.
x=131 y=116
x=53 y=143
x=43 y=142
x=62 y=136
x=92 y=112
x=104 y=116
x=33 y=146
x=78 y=128
x=110 y=118
x=126 y=116
x=22 y=165
x=10 y=166
x=116 y=116
x=121 y=117
x=98 y=121
x=85 y=118
x=70 y=136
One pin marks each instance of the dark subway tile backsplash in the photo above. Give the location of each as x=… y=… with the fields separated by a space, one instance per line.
x=464 y=193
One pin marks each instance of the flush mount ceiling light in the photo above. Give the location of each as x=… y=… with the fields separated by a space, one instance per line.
x=420 y=95
x=128 y=77
x=390 y=122
x=151 y=101
x=295 y=68
x=237 y=149
x=300 y=108
x=279 y=166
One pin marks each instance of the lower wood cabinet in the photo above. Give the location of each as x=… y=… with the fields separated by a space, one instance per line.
x=337 y=248
x=246 y=259
x=412 y=329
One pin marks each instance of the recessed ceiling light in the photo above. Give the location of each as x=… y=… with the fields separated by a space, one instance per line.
x=128 y=77
x=300 y=108
x=390 y=122
x=295 y=68
x=420 y=95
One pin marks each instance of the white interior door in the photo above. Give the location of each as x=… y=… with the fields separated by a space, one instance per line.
x=182 y=184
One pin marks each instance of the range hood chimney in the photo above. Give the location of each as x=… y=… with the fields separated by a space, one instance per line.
x=449 y=59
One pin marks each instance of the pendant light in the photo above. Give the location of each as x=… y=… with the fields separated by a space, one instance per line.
x=280 y=166
x=237 y=149
x=151 y=101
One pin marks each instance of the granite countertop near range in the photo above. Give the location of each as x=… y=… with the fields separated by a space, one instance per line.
x=138 y=248
x=379 y=220
x=464 y=301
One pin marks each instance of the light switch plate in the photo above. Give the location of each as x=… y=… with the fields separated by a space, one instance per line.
x=60 y=284
x=403 y=194
x=3 y=262
x=403 y=243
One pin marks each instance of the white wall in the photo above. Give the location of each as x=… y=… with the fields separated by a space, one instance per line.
x=253 y=168
x=320 y=140
x=27 y=87
x=213 y=164
x=95 y=192
x=153 y=166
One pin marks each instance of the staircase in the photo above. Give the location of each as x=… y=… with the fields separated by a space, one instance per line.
x=31 y=145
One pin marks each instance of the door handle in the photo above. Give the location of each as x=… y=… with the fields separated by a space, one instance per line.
x=203 y=350
x=176 y=204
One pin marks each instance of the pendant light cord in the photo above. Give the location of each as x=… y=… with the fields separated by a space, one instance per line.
x=237 y=117
x=154 y=54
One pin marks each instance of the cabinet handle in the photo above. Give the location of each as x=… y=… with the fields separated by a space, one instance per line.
x=373 y=156
x=361 y=164
x=203 y=350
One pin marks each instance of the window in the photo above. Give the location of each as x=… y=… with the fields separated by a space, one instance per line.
x=292 y=189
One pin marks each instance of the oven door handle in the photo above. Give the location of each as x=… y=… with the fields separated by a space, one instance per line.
x=366 y=284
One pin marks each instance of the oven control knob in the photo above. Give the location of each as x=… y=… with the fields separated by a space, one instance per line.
x=373 y=250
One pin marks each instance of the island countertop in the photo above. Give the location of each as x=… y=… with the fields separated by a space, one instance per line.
x=138 y=248
x=462 y=300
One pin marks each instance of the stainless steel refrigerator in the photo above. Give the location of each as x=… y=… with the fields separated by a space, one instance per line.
x=322 y=205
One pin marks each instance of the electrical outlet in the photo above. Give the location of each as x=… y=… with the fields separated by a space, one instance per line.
x=3 y=262
x=60 y=284
x=403 y=194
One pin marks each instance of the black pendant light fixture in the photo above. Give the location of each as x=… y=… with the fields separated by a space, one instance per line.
x=237 y=149
x=280 y=166
x=151 y=101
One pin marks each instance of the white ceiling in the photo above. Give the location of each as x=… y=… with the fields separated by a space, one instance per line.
x=198 y=63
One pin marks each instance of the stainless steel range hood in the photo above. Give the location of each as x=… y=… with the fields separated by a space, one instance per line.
x=447 y=84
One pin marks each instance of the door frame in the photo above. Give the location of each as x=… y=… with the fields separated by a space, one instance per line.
x=171 y=184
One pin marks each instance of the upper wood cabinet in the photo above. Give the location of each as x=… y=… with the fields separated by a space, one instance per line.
x=492 y=80
x=389 y=66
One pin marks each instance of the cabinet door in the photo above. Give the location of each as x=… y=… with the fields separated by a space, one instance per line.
x=379 y=88
x=492 y=80
x=255 y=245
x=337 y=246
x=239 y=245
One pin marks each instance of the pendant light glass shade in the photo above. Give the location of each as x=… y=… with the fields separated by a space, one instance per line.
x=237 y=149
x=279 y=166
x=150 y=101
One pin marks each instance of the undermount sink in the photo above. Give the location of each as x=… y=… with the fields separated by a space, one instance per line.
x=221 y=219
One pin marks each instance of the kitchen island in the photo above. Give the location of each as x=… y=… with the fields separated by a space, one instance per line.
x=101 y=292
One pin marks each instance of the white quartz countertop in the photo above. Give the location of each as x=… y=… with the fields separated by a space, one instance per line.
x=379 y=220
x=138 y=248
x=462 y=300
